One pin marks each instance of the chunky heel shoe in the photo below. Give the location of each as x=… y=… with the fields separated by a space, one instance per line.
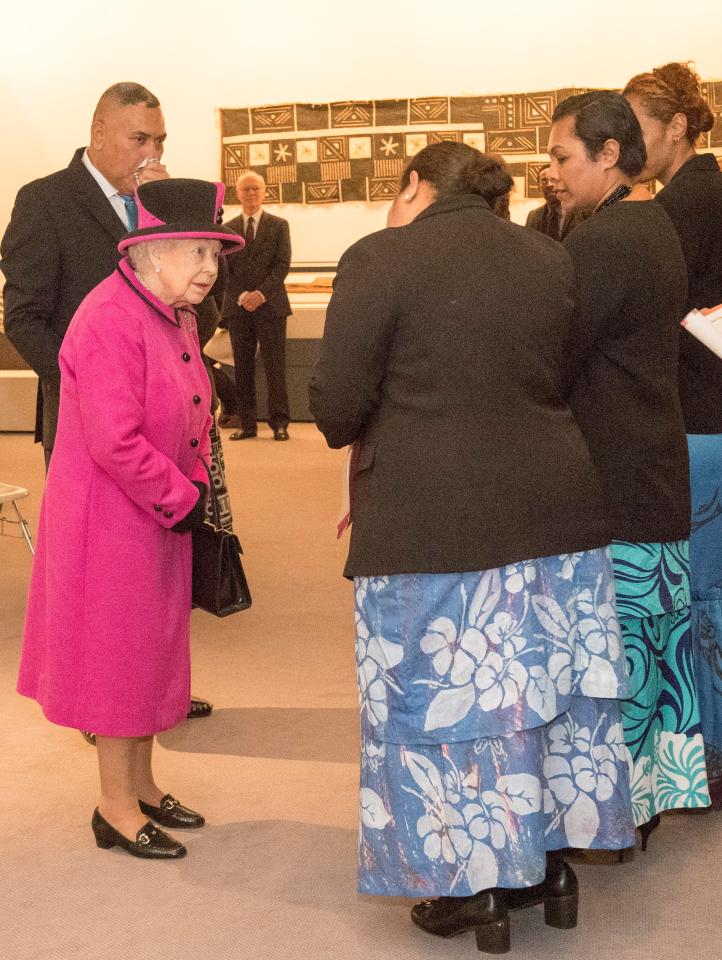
x=150 y=842
x=494 y=937
x=646 y=828
x=561 y=912
x=171 y=813
x=484 y=913
x=558 y=891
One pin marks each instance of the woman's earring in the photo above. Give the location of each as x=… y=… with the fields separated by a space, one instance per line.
x=407 y=196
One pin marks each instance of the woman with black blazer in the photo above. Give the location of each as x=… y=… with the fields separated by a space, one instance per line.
x=490 y=667
x=632 y=284
x=673 y=114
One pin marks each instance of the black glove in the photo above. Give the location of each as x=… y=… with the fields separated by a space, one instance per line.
x=197 y=515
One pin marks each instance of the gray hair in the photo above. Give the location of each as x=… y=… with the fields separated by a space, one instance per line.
x=139 y=253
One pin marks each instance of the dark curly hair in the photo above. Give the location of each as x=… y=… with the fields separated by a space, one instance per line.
x=673 y=88
x=456 y=168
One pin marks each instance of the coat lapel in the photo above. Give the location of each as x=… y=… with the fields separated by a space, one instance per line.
x=93 y=199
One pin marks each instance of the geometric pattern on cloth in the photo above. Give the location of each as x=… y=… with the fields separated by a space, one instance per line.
x=303 y=135
x=218 y=478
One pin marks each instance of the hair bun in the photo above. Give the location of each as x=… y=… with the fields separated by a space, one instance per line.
x=686 y=86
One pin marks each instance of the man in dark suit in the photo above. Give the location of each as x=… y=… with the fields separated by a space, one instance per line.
x=256 y=307
x=550 y=218
x=63 y=236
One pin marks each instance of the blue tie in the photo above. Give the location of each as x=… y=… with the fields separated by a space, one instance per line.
x=131 y=211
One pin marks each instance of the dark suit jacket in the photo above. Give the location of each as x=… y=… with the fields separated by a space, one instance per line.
x=60 y=243
x=631 y=283
x=444 y=355
x=693 y=201
x=263 y=266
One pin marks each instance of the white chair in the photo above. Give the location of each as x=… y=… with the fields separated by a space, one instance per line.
x=9 y=493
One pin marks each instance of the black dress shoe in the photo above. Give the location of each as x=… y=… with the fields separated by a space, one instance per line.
x=171 y=813
x=484 y=913
x=558 y=891
x=243 y=435
x=280 y=433
x=199 y=708
x=150 y=843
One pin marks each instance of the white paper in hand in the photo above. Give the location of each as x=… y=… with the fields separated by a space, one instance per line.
x=706 y=326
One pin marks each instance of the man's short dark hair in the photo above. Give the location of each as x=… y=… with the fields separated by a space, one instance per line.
x=603 y=115
x=126 y=94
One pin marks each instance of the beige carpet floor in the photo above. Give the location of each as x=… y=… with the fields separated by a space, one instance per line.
x=274 y=769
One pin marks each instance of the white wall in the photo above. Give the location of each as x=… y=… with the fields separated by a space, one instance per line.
x=59 y=55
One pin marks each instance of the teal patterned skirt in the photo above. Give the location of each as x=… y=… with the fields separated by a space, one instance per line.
x=661 y=717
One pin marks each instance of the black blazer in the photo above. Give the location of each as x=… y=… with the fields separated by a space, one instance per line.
x=443 y=354
x=632 y=283
x=61 y=242
x=263 y=266
x=693 y=201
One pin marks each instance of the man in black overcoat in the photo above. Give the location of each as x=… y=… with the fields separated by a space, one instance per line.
x=256 y=307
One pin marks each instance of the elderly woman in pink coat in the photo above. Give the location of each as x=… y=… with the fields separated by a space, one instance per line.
x=107 y=632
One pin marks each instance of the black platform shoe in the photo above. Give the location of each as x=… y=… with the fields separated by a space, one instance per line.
x=171 y=813
x=150 y=842
x=484 y=913
x=558 y=891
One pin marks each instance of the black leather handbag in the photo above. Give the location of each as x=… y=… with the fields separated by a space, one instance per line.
x=219 y=583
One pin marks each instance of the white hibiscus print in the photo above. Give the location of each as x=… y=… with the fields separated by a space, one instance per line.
x=365 y=585
x=518 y=575
x=598 y=629
x=569 y=563
x=489 y=820
x=375 y=657
x=444 y=833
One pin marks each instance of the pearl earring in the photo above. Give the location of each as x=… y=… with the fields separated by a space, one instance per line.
x=407 y=196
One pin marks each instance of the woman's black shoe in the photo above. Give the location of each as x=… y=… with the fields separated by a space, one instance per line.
x=150 y=842
x=484 y=913
x=171 y=813
x=646 y=828
x=558 y=891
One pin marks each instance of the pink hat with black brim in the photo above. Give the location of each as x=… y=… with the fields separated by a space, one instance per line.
x=177 y=209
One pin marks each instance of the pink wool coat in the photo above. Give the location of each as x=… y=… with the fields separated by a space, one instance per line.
x=107 y=632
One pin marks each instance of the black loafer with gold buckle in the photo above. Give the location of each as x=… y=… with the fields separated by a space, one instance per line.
x=171 y=813
x=150 y=843
x=199 y=709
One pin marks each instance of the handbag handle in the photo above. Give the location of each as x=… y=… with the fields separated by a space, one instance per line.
x=213 y=496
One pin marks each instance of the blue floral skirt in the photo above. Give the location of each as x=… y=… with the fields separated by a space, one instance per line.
x=661 y=716
x=491 y=724
x=705 y=554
